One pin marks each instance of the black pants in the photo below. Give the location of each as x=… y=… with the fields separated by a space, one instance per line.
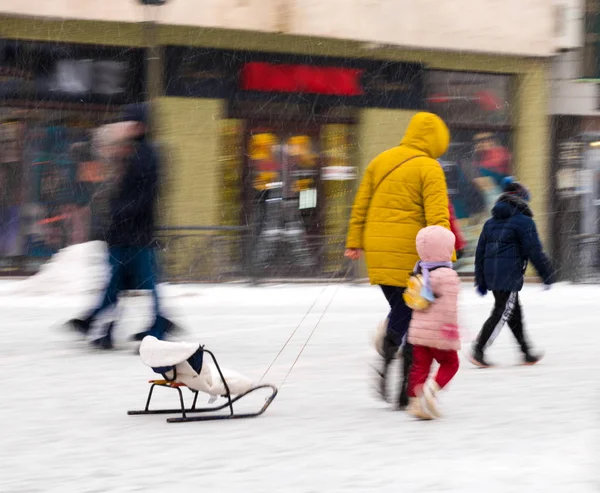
x=507 y=310
x=399 y=316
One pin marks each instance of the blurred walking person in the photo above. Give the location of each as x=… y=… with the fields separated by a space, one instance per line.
x=402 y=191
x=130 y=235
x=508 y=242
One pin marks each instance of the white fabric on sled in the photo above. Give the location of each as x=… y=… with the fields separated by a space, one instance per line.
x=155 y=353
x=237 y=383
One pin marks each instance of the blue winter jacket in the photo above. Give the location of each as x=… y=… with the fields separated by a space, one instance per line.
x=509 y=240
x=132 y=207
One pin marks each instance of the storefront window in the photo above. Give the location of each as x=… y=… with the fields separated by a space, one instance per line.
x=477 y=110
x=53 y=96
x=52 y=184
x=467 y=98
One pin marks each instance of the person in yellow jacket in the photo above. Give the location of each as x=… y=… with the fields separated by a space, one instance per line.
x=402 y=191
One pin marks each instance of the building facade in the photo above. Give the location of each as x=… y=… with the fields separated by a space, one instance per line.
x=575 y=156
x=267 y=113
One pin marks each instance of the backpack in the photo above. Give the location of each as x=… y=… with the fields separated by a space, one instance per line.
x=416 y=295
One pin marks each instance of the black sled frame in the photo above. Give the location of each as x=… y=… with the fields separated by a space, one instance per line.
x=170 y=384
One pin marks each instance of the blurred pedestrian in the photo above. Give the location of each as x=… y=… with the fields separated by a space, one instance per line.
x=130 y=235
x=402 y=191
x=509 y=240
x=433 y=332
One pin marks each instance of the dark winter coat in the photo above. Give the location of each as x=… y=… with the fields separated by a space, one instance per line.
x=132 y=206
x=509 y=240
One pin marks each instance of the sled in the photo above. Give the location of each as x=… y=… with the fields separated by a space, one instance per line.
x=185 y=368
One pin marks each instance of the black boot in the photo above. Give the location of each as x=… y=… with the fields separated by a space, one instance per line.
x=106 y=341
x=170 y=328
x=532 y=359
x=478 y=359
x=407 y=354
x=389 y=353
x=82 y=327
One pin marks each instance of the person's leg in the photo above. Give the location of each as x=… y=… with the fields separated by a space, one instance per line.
x=407 y=360
x=515 y=322
x=144 y=269
x=398 y=322
x=449 y=363
x=389 y=352
x=400 y=314
x=117 y=263
x=503 y=308
x=111 y=292
x=419 y=371
x=422 y=358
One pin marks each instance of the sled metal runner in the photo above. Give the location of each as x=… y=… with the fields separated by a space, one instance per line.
x=212 y=417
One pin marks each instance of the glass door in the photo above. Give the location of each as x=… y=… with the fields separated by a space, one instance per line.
x=284 y=199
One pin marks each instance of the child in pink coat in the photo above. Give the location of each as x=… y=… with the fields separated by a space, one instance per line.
x=434 y=332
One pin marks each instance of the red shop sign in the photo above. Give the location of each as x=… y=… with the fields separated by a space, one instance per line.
x=306 y=79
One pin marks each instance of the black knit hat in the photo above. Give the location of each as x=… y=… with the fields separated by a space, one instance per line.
x=513 y=187
x=137 y=112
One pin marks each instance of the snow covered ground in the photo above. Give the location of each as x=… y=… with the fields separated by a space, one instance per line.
x=508 y=429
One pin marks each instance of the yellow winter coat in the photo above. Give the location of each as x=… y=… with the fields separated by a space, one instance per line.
x=385 y=222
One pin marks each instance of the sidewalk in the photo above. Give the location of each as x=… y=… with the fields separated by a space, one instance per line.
x=508 y=429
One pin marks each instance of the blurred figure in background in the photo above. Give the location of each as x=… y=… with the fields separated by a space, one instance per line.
x=402 y=191
x=130 y=235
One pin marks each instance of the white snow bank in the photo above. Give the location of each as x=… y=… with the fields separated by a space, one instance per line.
x=78 y=269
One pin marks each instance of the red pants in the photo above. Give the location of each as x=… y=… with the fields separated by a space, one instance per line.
x=423 y=357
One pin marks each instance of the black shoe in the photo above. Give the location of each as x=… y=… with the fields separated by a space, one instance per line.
x=82 y=327
x=405 y=372
x=403 y=398
x=382 y=389
x=389 y=353
x=139 y=336
x=532 y=359
x=170 y=329
x=105 y=342
x=478 y=359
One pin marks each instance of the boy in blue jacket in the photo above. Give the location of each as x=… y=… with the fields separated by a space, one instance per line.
x=509 y=240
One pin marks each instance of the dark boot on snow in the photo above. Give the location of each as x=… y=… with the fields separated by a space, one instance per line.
x=478 y=359
x=106 y=341
x=389 y=353
x=170 y=328
x=531 y=359
x=81 y=327
x=404 y=375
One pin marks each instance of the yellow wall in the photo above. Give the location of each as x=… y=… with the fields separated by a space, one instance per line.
x=379 y=130
x=532 y=140
x=189 y=131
